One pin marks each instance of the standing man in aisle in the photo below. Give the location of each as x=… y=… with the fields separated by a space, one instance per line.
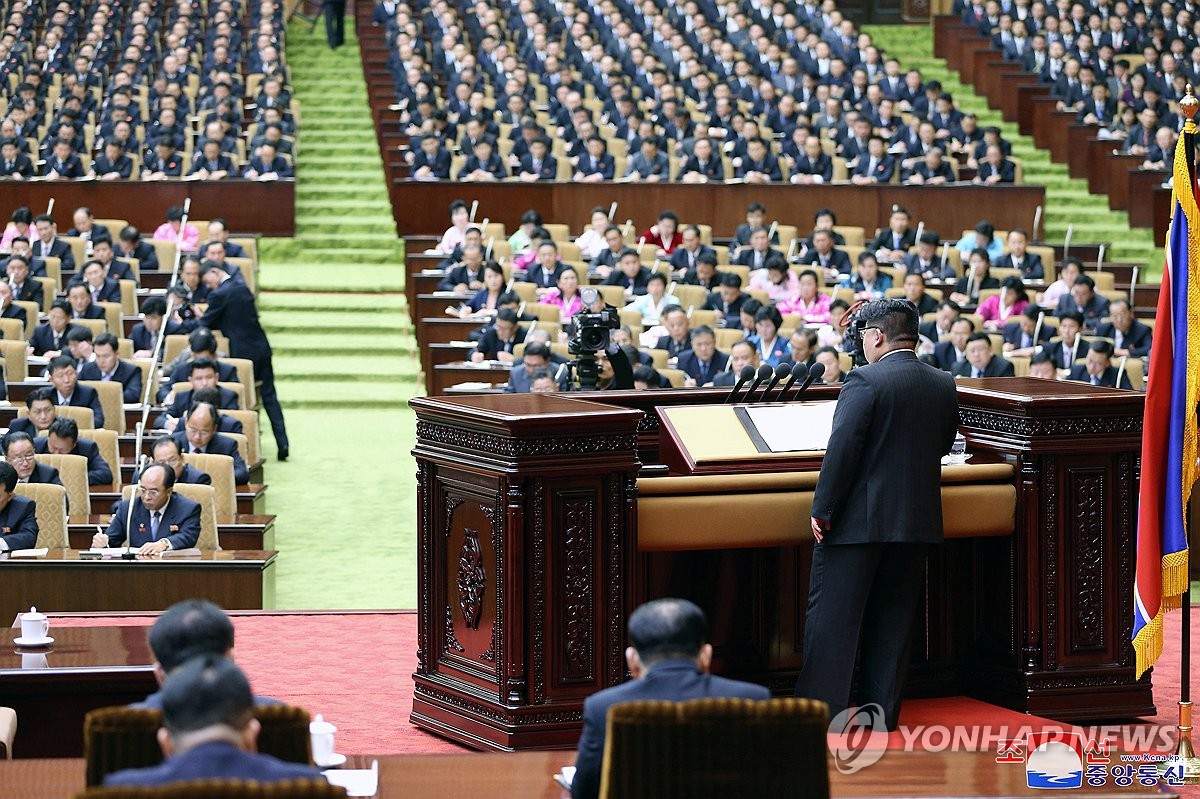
x=335 y=22
x=876 y=514
x=231 y=310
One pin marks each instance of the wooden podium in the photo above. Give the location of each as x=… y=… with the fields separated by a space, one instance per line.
x=529 y=561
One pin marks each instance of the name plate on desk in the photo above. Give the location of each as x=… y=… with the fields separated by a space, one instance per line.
x=727 y=439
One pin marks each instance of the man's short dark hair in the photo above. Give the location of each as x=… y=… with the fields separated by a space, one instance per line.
x=984 y=337
x=1075 y=316
x=1033 y=311
x=202 y=340
x=667 y=628
x=129 y=233
x=707 y=257
x=14 y=437
x=825 y=212
x=648 y=375
x=540 y=374
x=105 y=339
x=625 y=253
x=8 y=476
x=1102 y=347
x=538 y=350
x=206 y=691
x=702 y=330
x=731 y=279
x=1085 y=280
x=62 y=361
x=45 y=393
x=506 y=315
x=64 y=427
x=897 y=318
x=167 y=441
x=187 y=629
x=1041 y=357
x=202 y=363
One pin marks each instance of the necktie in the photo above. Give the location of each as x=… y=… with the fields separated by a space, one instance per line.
x=1095 y=380
x=198 y=450
x=155 y=518
x=976 y=373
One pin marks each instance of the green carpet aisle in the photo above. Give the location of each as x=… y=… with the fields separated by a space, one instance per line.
x=333 y=305
x=1067 y=199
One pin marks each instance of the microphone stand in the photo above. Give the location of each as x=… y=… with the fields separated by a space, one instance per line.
x=161 y=338
x=129 y=554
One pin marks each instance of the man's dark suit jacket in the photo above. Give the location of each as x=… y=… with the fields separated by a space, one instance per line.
x=231 y=310
x=99 y=472
x=219 y=445
x=713 y=168
x=1055 y=350
x=673 y=347
x=14 y=312
x=671 y=680
x=57 y=249
x=183 y=403
x=214 y=759
x=226 y=373
x=23 y=424
x=93 y=311
x=110 y=291
x=689 y=364
x=537 y=275
x=681 y=259
x=1007 y=171
x=459 y=274
x=191 y=475
x=18 y=523
x=1015 y=336
x=1137 y=340
x=549 y=167
x=881 y=477
x=885 y=241
x=88 y=397
x=44 y=473
x=129 y=375
x=490 y=344
x=733 y=314
x=838 y=259
x=180 y=523
x=637 y=283
x=605 y=167
x=31 y=291
x=996 y=367
x=1031 y=265
x=745 y=257
x=945 y=357
x=1109 y=378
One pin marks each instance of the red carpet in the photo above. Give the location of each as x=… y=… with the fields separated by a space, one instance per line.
x=356 y=670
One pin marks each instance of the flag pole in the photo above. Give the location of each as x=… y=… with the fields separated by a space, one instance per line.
x=1185 y=755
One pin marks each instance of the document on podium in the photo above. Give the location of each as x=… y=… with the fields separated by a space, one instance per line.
x=791 y=427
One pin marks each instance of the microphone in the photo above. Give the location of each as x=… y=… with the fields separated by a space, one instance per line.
x=799 y=370
x=815 y=372
x=128 y=554
x=764 y=373
x=744 y=377
x=781 y=371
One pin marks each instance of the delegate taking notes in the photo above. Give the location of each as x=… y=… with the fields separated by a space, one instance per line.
x=795 y=426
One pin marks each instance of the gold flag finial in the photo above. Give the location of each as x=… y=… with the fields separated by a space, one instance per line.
x=1188 y=105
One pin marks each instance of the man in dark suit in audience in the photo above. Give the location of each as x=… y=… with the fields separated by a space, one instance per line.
x=108 y=366
x=199 y=434
x=209 y=731
x=40 y=408
x=1018 y=257
x=728 y=300
x=160 y=520
x=703 y=362
x=167 y=452
x=131 y=246
x=1130 y=337
x=1098 y=369
x=679 y=336
x=80 y=299
x=756 y=254
x=629 y=274
x=20 y=451
x=202 y=374
x=65 y=379
x=1019 y=332
x=467 y=275
x=1070 y=344
x=596 y=164
x=546 y=269
x=23 y=287
x=876 y=516
x=536 y=357
x=1084 y=299
x=982 y=361
x=669 y=659
x=232 y=310
x=500 y=338
x=18 y=515
x=63 y=439
x=823 y=254
x=7 y=309
x=685 y=256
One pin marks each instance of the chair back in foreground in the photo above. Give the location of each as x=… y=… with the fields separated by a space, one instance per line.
x=222 y=789
x=72 y=470
x=220 y=469
x=716 y=748
x=51 y=512
x=112 y=402
x=116 y=738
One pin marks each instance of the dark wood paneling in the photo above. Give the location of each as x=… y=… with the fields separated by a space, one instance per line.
x=250 y=206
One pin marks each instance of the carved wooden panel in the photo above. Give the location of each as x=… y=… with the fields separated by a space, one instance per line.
x=1087 y=531
x=576 y=515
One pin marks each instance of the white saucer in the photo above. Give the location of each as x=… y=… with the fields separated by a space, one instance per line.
x=21 y=641
x=334 y=761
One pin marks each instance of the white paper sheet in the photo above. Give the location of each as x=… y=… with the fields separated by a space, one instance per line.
x=356 y=781
x=29 y=553
x=794 y=427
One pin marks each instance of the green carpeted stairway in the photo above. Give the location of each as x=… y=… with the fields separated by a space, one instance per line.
x=1067 y=199
x=333 y=305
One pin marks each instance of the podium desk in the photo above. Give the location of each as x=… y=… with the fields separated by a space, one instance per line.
x=52 y=689
x=533 y=550
x=62 y=582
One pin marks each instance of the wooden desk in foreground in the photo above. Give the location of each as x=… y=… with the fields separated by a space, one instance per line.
x=234 y=579
x=243 y=531
x=527 y=775
x=52 y=689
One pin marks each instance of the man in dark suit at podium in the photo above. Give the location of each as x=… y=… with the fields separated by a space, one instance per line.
x=876 y=514
x=161 y=519
x=669 y=658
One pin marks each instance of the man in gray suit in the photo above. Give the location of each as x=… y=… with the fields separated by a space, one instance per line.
x=876 y=514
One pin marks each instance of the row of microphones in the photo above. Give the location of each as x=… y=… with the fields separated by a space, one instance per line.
x=772 y=377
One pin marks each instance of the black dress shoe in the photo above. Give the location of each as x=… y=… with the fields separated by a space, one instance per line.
x=283 y=455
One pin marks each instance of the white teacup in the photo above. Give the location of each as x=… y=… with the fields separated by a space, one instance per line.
x=34 y=626
x=321 y=732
